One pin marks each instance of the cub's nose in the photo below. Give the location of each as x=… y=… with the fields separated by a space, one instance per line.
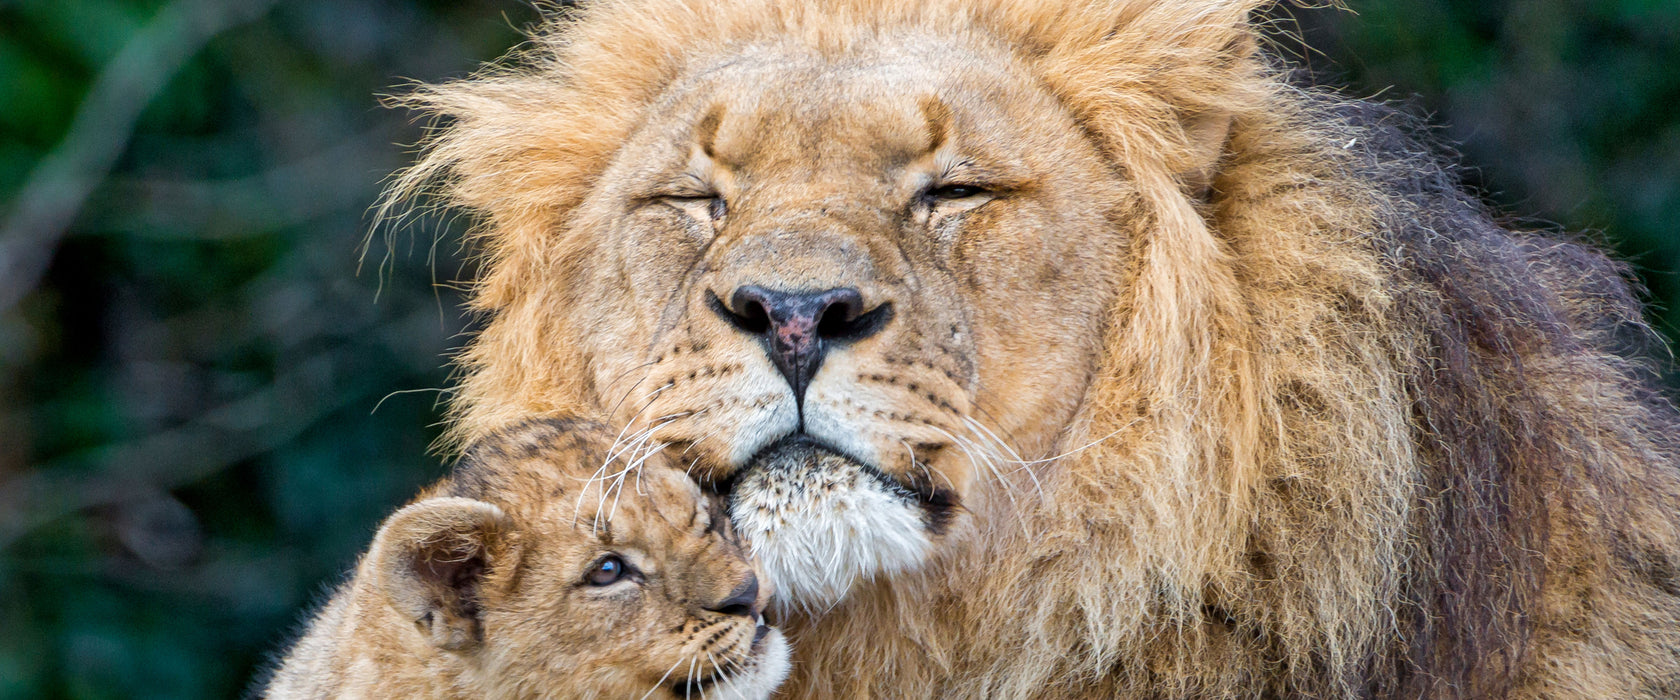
x=741 y=601
x=797 y=328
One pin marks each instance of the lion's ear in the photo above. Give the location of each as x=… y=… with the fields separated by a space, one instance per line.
x=1208 y=130
x=430 y=559
x=1160 y=84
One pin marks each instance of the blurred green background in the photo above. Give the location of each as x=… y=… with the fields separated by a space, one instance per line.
x=207 y=400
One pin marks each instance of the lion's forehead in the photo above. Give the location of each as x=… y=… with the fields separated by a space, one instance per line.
x=861 y=104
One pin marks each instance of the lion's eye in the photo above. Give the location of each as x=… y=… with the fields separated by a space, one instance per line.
x=713 y=205
x=954 y=191
x=701 y=208
x=607 y=571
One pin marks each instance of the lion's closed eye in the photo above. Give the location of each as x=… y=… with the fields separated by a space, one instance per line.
x=704 y=208
x=951 y=192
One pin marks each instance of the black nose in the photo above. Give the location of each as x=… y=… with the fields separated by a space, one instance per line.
x=741 y=601
x=799 y=327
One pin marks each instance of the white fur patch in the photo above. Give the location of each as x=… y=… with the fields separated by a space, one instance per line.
x=762 y=674
x=818 y=523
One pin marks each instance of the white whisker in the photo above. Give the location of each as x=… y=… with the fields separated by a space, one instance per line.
x=982 y=458
x=717 y=671
x=627 y=393
x=1087 y=445
x=661 y=680
x=986 y=434
x=618 y=449
x=688 y=686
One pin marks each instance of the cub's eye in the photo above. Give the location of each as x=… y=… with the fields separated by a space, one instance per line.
x=954 y=191
x=607 y=571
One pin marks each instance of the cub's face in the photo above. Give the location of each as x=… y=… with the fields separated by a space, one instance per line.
x=654 y=600
x=556 y=580
x=851 y=296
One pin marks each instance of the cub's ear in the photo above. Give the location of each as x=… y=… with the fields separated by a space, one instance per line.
x=430 y=559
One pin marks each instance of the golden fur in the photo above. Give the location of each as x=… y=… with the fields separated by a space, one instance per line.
x=479 y=589
x=1221 y=387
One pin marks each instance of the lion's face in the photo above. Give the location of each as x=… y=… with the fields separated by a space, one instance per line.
x=852 y=295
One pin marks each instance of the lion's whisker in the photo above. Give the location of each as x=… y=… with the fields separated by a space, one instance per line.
x=651 y=397
x=600 y=475
x=628 y=446
x=618 y=449
x=641 y=448
x=577 y=506
x=978 y=455
x=929 y=473
x=701 y=439
x=616 y=487
x=985 y=459
x=627 y=393
x=626 y=373
x=994 y=439
x=1087 y=445
x=988 y=433
x=650 y=449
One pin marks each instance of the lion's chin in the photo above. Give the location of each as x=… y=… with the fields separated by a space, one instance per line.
x=819 y=523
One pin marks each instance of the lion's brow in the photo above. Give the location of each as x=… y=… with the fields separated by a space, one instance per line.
x=705 y=132
x=937 y=116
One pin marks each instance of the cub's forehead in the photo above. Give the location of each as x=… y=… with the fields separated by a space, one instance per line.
x=518 y=457
x=670 y=496
x=647 y=503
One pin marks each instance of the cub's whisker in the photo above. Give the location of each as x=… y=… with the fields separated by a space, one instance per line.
x=661 y=681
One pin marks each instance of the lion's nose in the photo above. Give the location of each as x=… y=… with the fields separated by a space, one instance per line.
x=797 y=328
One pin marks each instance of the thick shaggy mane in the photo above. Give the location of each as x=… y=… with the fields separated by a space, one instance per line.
x=1350 y=435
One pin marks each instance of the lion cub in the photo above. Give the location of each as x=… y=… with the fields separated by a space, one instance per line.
x=502 y=582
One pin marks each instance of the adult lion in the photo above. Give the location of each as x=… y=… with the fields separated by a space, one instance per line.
x=1053 y=348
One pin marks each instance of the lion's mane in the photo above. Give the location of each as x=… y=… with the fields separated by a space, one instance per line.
x=1376 y=443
